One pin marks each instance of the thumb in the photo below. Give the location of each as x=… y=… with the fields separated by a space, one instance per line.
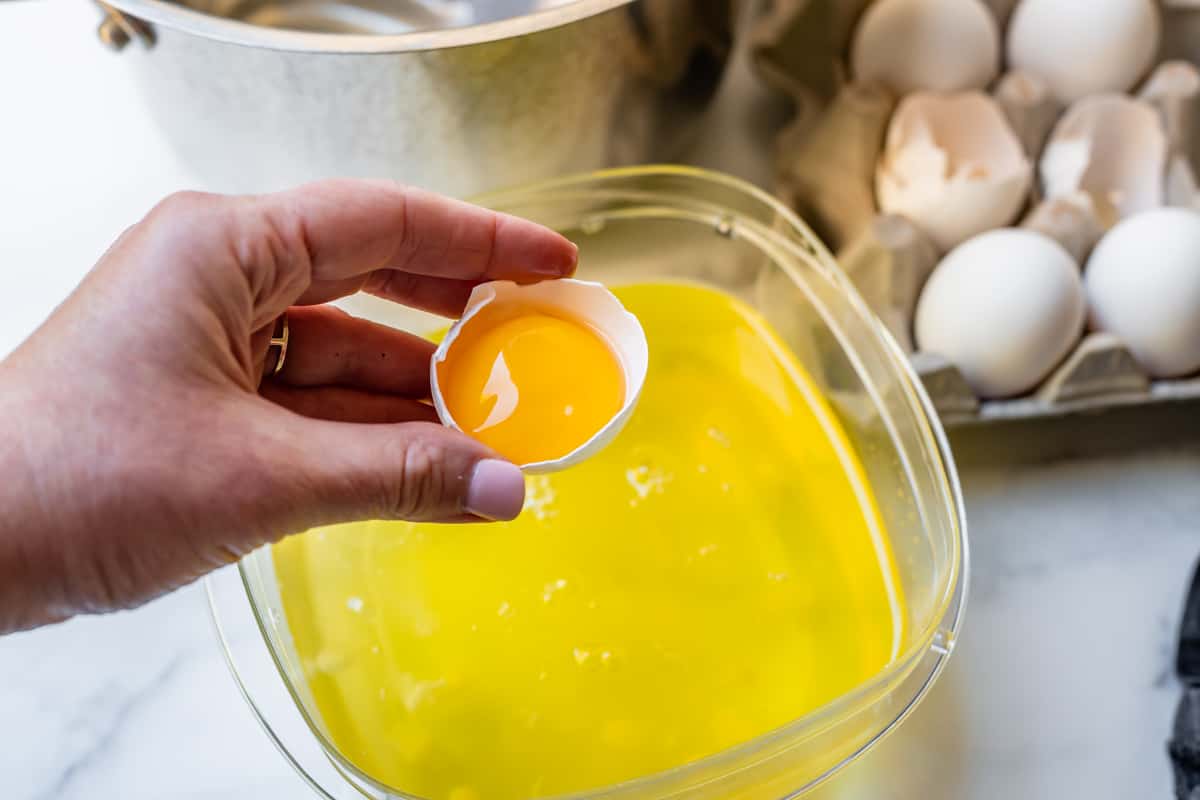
x=414 y=471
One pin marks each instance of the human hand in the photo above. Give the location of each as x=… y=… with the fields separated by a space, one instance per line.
x=139 y=443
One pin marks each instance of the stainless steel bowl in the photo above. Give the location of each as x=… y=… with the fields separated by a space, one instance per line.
x=260 y=94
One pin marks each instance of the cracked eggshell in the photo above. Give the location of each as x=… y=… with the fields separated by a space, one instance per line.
x=953 y=166
x=1111 y=148
x=1005 y=308
x=1084 y=47
x=584 y=301
x=1143 y=286
x=942 y=45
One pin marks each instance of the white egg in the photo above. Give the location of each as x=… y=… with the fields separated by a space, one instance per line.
x=1005 y=308
x=1084 y=47
x=944 y=45
x=953 y=166
x=1143 y=286
x=583 y=301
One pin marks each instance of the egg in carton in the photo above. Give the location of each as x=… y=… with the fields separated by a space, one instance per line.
x=896 y=162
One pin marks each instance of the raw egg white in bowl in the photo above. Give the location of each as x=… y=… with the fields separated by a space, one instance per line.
x=781 y=427
x=546 y=374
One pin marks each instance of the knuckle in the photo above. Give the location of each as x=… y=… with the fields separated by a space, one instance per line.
x=399 y=284
x=422 y=487
x=491 y=236
x=183 y=205
x=182 y=224
x=286 y=233
x=271 y=246
x=410 y=235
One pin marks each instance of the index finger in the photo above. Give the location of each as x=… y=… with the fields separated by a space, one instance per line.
x=353 y=228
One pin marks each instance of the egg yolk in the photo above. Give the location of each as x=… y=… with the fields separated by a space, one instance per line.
x=532 y=387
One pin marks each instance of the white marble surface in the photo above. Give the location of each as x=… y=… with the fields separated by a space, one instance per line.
x=1061 y=686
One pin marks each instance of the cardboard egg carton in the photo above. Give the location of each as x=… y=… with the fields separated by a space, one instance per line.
x=826 y=160
x=889 y=262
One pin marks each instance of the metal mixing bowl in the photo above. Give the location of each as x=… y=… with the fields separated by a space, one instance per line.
x=261 y=94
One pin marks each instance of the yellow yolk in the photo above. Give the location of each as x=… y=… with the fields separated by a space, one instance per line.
x=717 y=572
x=533 y=387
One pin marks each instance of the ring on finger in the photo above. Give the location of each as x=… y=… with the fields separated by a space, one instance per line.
x=280 y=340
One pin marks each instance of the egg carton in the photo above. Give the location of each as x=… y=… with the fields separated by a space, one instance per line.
x=826 y=160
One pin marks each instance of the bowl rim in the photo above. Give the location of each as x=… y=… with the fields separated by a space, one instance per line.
x=939 y=637
x=185 y=19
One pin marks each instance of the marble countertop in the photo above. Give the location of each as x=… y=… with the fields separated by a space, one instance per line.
x=1083 y=533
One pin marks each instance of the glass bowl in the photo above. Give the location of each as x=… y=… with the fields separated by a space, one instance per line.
x=677 y=223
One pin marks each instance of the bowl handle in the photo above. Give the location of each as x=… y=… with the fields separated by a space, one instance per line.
x=117 y=29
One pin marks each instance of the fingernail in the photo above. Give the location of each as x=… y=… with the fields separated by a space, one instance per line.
x=558 y=262
x=496 y=490
x=574 y=260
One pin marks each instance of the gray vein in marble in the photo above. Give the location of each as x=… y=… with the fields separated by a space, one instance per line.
x=114 y=725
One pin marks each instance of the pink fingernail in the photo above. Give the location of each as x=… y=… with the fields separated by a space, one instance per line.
x=496 y=490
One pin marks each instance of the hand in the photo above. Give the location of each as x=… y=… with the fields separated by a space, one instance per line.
x=140 y=446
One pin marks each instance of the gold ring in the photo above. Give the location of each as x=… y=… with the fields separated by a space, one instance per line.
x=280 y=341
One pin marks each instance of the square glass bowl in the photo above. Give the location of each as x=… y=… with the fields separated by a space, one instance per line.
x=674 y=223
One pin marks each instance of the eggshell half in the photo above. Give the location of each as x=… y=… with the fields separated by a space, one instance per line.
x=953 y=166
x=1114 y=149
x=585 y=301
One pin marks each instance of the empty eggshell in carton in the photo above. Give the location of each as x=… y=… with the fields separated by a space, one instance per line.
x=1084 y=47
x=1005 y=308
x=1111 y=148
x=953 y=166
x=1143 y=286
x=582 y=301
x=938 y=45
